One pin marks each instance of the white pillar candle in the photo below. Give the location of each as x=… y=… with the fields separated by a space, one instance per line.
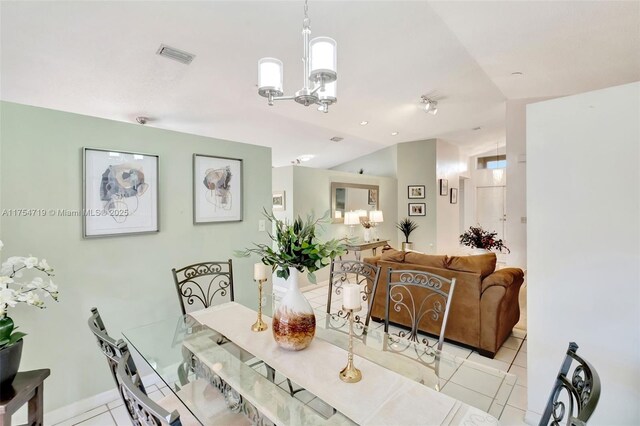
x=261 y=271
x=351 y=296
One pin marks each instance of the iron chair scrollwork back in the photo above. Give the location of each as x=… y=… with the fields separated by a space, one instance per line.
x=141 y=409
x=354 y=272
x=113 y=350
x=199 y=284
x=431 y=303
x=574 y=396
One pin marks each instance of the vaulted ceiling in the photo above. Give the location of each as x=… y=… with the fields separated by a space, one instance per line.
x=98 y=59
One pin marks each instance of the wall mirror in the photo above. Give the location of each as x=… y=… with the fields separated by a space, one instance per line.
x=347 y=197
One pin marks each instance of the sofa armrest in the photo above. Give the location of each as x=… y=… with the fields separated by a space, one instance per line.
x=372 y=260
x=503 y=277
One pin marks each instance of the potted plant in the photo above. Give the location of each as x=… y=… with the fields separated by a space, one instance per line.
x=296 y=248
x=406 y=226
x=482 y=241
x=30 y=291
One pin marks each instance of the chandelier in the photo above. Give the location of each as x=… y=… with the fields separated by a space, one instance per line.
x=319 y=62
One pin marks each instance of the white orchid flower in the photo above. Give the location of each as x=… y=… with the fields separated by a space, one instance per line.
x=32 y=298
x=37 y=282
x=8 y=297
x=30 y=262
x=32 y=290
x=14 y=262
x=45 y=266
x=5 y=280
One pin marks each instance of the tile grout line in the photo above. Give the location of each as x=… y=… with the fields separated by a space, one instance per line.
x=112 y=417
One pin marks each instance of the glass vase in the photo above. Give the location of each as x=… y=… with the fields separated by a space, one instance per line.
x=294 y=322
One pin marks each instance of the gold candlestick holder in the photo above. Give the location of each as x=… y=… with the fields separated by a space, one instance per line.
x=350 y=374
x=259 y=325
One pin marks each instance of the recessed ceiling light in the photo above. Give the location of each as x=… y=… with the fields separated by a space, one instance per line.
x=394 y=133
x=306 y=157
x=336 y=139
x=477 y=128
x=364 y=123
x=517 y=73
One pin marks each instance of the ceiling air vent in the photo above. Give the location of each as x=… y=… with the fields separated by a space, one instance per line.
x=175 y=54
x=336 y=139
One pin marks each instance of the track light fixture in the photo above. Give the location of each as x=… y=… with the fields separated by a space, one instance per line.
x=430 y=105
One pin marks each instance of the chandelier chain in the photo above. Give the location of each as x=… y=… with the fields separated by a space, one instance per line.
x=306 y=9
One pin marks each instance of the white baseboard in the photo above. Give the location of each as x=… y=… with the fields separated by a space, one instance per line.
x=76 y=408
x=532 y=418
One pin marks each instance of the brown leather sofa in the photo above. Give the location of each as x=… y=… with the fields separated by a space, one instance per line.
x=484 y=306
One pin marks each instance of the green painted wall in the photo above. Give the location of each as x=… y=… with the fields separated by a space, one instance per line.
x=127 y=278
x=417 y=166
x=312 y=191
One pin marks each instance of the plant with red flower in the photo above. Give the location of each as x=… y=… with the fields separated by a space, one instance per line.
x=477 y=237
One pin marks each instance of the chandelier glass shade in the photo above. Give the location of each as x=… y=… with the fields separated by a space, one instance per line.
x=270 y=76
x=320 y=72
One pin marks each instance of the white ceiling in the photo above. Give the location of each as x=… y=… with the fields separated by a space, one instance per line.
x=98 y=59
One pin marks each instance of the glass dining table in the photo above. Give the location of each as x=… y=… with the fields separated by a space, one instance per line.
x=182 y=349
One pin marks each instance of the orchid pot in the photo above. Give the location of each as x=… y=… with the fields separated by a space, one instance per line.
x=31 y=291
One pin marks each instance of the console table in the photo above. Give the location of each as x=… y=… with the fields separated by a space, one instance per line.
x=28 y=386
x=359 y=247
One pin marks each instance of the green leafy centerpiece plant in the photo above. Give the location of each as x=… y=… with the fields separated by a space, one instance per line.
x=406 y=226
x=31 y=291
x=296 y=248
x=478 y=238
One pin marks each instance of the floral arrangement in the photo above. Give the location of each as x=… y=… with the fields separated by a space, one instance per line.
x=364 y=221
x=477 y=237
x=30 y=291
x=406 y=226
x=297 y=246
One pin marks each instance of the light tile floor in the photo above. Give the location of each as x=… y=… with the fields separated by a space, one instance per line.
x=511 y=357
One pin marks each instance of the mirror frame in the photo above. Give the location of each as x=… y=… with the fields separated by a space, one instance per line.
x=336 y=185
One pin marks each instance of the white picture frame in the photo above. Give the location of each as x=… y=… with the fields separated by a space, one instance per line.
x=279 y=200
x=217 y=189
x=120 y=193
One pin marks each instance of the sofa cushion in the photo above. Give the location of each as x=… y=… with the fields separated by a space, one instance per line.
x=483 y=264
x=393 y=256
x=429 y=260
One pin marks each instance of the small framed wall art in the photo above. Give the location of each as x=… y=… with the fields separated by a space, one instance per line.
x=444 y=187
x=417 y=209
x=454 y=196
x=217 y=189
x=120 y=193
x=416 y=191
x=373 y=197
x=279 y=200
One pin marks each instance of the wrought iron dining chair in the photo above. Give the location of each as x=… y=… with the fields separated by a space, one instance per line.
x=141 y=409
x=199 y=284
x=117 y=354
x=435 y=300
x=355 y=272
x=112 y=349
x=574 y=396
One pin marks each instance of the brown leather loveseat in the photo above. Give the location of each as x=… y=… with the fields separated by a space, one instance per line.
x=484 y=306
